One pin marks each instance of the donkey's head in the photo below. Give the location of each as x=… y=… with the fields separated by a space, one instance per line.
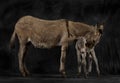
x=100 y=27
x=99 y=31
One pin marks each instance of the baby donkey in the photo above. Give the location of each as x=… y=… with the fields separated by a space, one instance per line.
x=85 y=48
x=81 y=54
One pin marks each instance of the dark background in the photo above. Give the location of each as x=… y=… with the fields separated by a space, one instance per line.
x=46 y=61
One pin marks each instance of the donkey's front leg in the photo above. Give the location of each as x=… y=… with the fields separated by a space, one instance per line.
x=62 y=60
x=96 y=62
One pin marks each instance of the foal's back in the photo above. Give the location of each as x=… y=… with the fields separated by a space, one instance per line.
x=80 y=44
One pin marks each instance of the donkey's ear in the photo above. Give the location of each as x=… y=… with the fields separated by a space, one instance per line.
x=100 y=28
x=96 y=25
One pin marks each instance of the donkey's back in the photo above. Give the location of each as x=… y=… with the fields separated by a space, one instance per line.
x=41 y=33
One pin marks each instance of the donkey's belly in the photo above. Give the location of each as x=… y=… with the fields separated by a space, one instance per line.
x=42 y=44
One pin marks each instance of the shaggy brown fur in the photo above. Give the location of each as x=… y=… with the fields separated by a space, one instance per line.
x=47 y=34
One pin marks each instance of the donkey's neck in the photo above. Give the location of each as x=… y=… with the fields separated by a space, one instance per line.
x=78 y=29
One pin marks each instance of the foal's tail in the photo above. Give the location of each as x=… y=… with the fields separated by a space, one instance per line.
x=12 y=40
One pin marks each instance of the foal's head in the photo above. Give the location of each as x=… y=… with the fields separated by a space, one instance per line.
x=82 y=41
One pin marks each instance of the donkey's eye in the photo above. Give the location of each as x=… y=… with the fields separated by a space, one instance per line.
x=100 y=31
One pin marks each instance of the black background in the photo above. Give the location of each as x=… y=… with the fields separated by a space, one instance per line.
x=46 y=61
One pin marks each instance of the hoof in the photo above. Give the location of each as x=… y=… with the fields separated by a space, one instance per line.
x=87 y=72
x=98 y=75
x=25 y=74
x=85 y=76
x=78 y=75
x=64 y=75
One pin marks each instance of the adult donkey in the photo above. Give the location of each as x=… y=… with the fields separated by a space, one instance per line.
x=47 y=34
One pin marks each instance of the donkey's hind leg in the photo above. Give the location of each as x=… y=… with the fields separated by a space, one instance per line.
x=21 y=54
x=25 y=52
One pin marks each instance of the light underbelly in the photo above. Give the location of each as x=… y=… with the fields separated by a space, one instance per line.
x=43 y=44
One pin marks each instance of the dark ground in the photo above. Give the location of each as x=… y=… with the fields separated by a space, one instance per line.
x=38 y=79
x=46 y=61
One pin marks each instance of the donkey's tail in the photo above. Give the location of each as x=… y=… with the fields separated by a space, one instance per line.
x=12 y=40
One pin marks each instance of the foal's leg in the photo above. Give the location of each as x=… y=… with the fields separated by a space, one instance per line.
x=62 y=59
x=79 y=61
x=96 y=61
x=89 y=63
x=22 y=66
x=84 y=63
